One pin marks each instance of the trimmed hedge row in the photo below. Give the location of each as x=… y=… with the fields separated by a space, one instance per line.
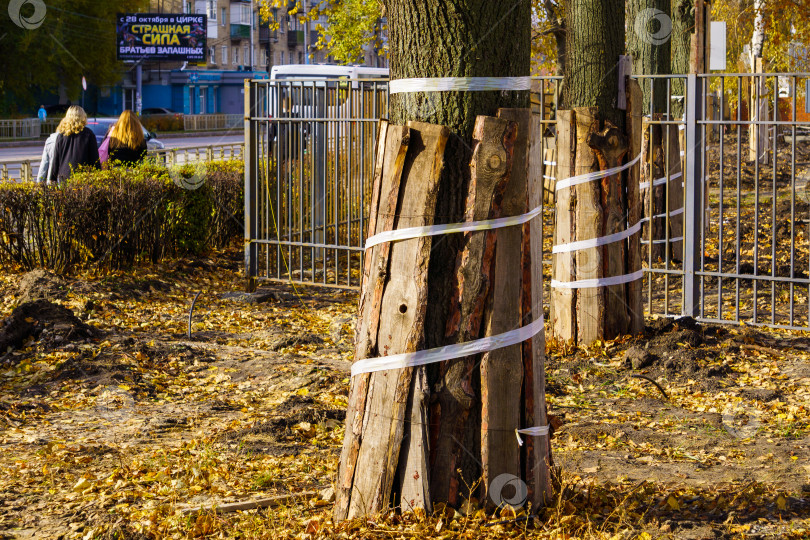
x=122 y=216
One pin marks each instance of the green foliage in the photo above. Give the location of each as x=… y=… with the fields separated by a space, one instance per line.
x=163 y=122
x=75 y=38
x=120 y=216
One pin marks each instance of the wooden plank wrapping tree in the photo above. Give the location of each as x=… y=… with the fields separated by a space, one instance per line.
x=392 y=455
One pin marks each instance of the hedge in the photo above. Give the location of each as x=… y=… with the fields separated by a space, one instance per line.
x=121 y=216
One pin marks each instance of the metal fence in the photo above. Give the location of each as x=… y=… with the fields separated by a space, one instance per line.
x=726 y=224
x=207 y=122
x=23 y=128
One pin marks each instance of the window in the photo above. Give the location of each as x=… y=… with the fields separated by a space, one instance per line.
x=212 y=10
x=282 y=58
x=222 y=12
x=236 y=56
x=212 y=55
x=224 y=55
x=188 y=8
x=245 y=55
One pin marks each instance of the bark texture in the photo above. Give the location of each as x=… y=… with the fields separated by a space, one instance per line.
x=683 y=26
x=594 y=42
x=649 y=32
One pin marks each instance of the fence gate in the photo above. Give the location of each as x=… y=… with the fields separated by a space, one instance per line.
x=725 y=200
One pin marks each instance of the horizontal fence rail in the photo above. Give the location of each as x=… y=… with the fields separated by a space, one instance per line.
x=725 y=201
x=24 y=128
x=206 y=122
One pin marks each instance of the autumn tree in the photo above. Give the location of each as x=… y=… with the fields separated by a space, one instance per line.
x=417 y=436
x=591 y=136
x=48 y=47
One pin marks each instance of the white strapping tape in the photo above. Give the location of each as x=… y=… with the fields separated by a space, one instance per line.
x=582 y=178
x=433 y=230
x=552 y=163
x=676 y=239
x=597 y=282
x=537 y=431
x=459 y=84
x=659 y=181
x=657 y=216
x=596 y=242
x=448 y=352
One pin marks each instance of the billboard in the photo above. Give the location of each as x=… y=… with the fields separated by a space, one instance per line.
x=161 y=36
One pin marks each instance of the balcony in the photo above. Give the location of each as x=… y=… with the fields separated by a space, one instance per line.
x=295 y=37
x=266 y=36
x=240 y=31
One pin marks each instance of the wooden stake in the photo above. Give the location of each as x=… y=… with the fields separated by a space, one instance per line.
x=635 y=99
x=562 y=264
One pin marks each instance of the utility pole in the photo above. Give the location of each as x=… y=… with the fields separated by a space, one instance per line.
x=251 y=35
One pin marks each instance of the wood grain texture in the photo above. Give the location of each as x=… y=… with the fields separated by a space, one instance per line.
x=401 y=323
x=538 y=449
x=634 y=126
x=563 y=301
x=390 y=165
x=589 y=215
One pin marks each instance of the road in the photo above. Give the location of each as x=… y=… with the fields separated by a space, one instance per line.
x=34 y=152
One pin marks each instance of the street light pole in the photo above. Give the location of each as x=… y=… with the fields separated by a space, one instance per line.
x=251 y=35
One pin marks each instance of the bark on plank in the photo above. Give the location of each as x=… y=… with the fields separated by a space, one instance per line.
x=502 y=369
x=590 y=304
x=610 y=146
x=489 y=168
x=538 y=449
x=414 y=474
x=563 y=301
x=401 y=323
x=634 y=125
x=390 y=165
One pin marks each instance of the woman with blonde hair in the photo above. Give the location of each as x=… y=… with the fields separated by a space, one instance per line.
x=127 y=143
x=75 y=145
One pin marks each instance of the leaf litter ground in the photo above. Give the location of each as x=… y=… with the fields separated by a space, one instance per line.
x=115 y=424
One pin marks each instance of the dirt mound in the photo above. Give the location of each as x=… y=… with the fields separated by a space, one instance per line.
x=42 y=320
x=40 y=284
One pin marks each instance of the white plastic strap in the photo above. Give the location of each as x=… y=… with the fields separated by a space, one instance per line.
x=596 y=242
x=659 y=181
x=448 y=352
x=582 y=178
x=552 y=163
x=597 y=282
x=676 y=239
x=433 y=230
x=537 y=431
x=657 y=216
x=459 y=84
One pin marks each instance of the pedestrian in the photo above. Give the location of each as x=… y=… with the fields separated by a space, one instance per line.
x=75 y=145
x=43 y=114
x=127 y=144
x=47 y=158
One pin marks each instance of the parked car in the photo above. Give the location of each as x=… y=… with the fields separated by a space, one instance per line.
x=100 y=127
x=159 y=110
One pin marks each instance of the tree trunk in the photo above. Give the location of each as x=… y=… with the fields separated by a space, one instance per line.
x=436 y=441
x=683 y=26
x=648 y=41
x=591 y=138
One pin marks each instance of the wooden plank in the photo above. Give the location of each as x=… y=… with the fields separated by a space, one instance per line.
x=538 y=449
x=634 y=288
x=590 y=307
x=383 y=210
x=502 y=369
x=610 y=146
x=489 y=170
x=401 y=322
x=563 y=301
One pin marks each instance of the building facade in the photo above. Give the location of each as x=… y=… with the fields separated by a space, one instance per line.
x=239 y=47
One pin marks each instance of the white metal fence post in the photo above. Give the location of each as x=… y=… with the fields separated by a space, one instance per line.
x=693 y=196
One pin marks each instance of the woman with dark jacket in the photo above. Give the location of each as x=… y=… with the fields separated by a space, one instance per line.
x=127 y=144
x=75 y=145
